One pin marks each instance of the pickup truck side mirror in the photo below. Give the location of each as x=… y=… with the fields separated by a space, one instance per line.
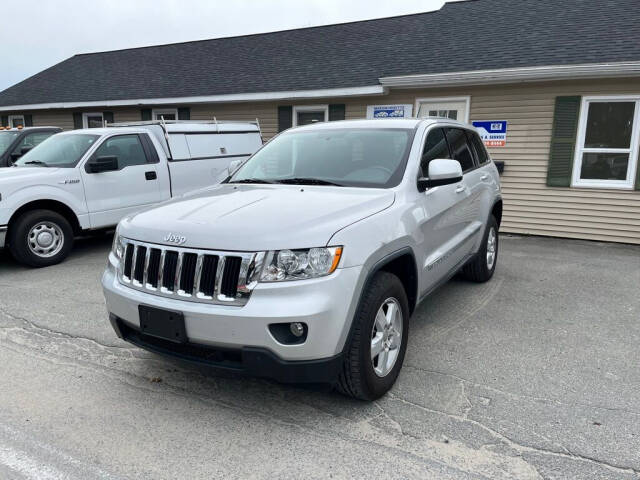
x=233 y=166
x=108 y=163
x=23 y=150
x=441 y=172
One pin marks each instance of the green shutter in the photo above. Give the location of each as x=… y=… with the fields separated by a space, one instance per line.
x=563 y=141
x=184 y=113
x=145 y=114
x=5 y=120
x=107 y=117
x=28 y=120
x=336 y=112
x=285 y=117
x=77 y=120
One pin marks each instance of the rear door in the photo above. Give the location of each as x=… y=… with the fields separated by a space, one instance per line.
x=113 y=195
x=200 y=159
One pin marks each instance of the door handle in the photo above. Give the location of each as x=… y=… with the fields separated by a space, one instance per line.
x=484 y=177
x=151 y=175
x=461 y=188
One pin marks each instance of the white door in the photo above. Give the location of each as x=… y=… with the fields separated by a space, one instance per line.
x=452 y=108
x=113 y=195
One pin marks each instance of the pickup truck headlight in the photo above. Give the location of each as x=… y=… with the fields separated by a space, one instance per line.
x=285 y=265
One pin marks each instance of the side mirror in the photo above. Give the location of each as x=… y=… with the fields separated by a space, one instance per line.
x=441 y=172
x=16 y=155
x=107 y=163
x=26 y=149
x=233 y=166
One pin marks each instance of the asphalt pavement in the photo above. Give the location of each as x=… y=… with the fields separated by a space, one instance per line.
x=535 y=374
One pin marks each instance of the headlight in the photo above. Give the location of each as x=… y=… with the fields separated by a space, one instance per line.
x=285 y=265
x=118 y=246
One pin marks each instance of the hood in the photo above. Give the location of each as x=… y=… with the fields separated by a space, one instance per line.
x=21 y=174
x=257 y=217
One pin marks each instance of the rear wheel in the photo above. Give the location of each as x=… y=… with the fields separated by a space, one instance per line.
x=481 y=267
x=40 y=238
x=374 y=357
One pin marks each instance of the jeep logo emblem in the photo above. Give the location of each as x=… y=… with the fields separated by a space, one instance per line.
x=177 y=239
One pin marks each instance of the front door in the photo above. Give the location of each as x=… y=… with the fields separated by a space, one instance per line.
x=112 y=195
x=451 y=108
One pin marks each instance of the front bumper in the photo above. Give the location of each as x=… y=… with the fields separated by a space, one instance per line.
x=3 y=235
x=325 y=304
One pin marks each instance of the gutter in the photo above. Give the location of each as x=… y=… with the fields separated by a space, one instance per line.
x=516 y=75
x=230 y=98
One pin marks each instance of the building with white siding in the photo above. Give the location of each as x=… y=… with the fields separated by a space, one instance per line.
x=563 y=76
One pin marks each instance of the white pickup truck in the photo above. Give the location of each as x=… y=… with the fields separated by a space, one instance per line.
x=87 y=180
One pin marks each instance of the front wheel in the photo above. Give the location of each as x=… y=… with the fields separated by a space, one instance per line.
x=40 y=238
x=375 y=354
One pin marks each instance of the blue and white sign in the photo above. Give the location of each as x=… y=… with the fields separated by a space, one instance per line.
x=492 y=132
x=389 y=111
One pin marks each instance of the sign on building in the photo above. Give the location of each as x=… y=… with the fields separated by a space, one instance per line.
x=492 y=132
x=389 y=111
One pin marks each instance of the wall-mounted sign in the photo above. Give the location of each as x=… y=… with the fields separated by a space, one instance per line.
x=389 y=111
x=492 y=132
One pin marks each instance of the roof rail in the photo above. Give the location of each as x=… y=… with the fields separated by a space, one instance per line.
x=170 y=122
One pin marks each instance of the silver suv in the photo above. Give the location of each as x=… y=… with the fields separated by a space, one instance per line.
x=306 y=264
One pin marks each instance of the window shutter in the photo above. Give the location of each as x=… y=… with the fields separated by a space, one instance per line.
x=563 y=141
x=107 y=117
x=336 y=112
x=77 y=120
x=145 y=114
x=5 y=120
x=285 y=117
x=184 y=113
x=28 y=120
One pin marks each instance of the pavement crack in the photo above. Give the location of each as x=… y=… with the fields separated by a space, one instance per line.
x=519 y=395
x=520 y=448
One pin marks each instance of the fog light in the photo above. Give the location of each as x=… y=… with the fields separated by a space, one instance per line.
x=297 y=329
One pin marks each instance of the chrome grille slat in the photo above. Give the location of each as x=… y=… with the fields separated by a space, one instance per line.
x=225 y=282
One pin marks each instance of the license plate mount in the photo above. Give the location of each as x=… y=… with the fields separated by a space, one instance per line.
x=164 y=324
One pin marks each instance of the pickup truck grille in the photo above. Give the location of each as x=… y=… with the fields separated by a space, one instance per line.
x=204 y=276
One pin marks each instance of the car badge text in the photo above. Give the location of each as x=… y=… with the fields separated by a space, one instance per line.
x=177 y=239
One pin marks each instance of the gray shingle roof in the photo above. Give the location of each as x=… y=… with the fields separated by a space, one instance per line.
x=463 y=36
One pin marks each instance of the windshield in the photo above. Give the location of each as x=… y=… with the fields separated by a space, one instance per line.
x=346 y=157
x=6 y=139
x=58 y=151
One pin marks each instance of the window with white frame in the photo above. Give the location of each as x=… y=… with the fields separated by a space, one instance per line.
x=165 y=113
x=306 y=114
x=607 y=144
x=92 y=120
x=16 y=121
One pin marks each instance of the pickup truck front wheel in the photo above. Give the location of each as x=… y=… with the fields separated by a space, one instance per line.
x=375 y=354
x=40 y=238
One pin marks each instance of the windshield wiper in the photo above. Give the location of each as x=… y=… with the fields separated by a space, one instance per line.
x=308 y=181
x=35 y=162
x=251 y=180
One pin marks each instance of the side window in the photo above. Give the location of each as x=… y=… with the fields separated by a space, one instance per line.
x=434 y=147
x=460 y=150
x=478 y=146
x=127 y=148
x=32 y=140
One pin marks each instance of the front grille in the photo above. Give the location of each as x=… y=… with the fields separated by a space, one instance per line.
x=204 y=276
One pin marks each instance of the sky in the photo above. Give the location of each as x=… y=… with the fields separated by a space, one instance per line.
x=40 y=33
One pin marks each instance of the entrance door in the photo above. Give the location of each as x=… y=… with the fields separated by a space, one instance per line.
x=452 y=108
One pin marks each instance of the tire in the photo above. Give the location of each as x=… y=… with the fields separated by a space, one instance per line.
x=358 y=377
x=40 y=226
x=480 y=269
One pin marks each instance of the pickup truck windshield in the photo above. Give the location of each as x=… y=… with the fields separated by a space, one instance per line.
x=61 y=151
x=6 y=139
x=352 y=157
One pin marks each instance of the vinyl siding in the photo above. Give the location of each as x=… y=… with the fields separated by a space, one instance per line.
x=530 y=207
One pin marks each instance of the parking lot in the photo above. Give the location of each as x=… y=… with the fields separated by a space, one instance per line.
x=532 y=375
